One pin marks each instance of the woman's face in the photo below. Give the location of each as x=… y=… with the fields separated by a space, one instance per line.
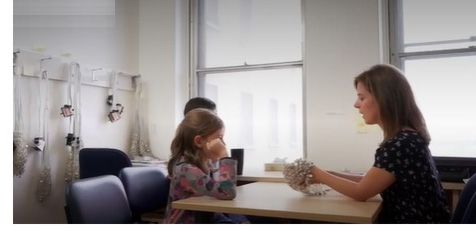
x=367 y=105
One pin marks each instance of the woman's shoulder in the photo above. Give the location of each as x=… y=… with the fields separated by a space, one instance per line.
x=409 y=135
x=405 y=137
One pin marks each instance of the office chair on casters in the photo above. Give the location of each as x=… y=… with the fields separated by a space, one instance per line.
x=465 y=210
x=147 y=189
x=97 y=200
x=102 y=161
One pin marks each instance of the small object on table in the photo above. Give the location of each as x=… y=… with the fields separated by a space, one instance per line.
x=299 y=177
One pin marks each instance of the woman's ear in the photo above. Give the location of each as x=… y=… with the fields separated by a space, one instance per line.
x=199 y=141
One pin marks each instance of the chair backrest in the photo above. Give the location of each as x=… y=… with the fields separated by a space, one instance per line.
x=466 y=198
x=102 y=161
x=147 y=189
x=97 y=200
x=469 y=216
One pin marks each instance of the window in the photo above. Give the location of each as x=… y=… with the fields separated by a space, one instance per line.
x=435 y=44
x=252 y=69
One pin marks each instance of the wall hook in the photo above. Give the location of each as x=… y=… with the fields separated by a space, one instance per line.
x=93 y=74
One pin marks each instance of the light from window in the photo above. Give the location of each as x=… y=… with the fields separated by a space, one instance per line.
x=438 y=24
x=445 y=91
x=249 y=61
x=249 y=32
x=265 y=129
x=437 y=50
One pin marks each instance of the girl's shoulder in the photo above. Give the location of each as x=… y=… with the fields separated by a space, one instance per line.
x=185 y=164
x=182 y=161
x=187 y=168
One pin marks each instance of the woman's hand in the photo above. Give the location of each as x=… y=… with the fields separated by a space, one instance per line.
x=217 y=149
x=313 y=176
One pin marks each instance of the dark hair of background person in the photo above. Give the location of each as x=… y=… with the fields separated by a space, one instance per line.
x=199 y=102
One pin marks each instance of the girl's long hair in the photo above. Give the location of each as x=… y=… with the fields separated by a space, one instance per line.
x=396 y=103
x=199 y=121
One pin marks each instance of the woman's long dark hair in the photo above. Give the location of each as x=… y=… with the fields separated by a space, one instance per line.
x=199 y=121
x=396 y=103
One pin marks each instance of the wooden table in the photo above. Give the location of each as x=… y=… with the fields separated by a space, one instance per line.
x=279 y=200
x=453 y=190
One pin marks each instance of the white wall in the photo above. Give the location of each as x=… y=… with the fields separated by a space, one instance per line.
x=163 y=51
x=107 y=47
x=341 y=40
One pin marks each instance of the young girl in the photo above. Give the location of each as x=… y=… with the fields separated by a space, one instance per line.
x=198 y=142
x=403 y=172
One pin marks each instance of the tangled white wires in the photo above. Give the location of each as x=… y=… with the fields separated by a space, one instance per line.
x=299 y=177
x=20 y=153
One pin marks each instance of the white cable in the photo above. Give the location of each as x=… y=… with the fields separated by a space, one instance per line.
x=20 y=151
x=116 y=109
x=114 y=90
x=44 y=181
x=70 y=96
x=74 y=90
x=135 y=150
x=46 y=118
x=77 y=119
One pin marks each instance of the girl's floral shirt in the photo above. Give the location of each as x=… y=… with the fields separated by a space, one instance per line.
x=190 y=181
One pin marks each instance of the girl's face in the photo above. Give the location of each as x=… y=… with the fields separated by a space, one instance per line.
x=367 y=105
x=212 y=146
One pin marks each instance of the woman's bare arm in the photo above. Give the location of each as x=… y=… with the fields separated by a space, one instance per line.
x=351 y=177
x=375 y=181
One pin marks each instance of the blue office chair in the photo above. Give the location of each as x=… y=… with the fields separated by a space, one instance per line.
x=147 y=190
x=465 y=210
x=102 y=161
x=469 y=216
x=97 y=200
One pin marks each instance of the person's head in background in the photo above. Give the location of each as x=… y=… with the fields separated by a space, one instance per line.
x=199 y=128
x=385 y=98
x=199 y=102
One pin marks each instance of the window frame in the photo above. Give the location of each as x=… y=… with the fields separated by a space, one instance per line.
x=397 y=53
x=398 y=56
x=198 y=74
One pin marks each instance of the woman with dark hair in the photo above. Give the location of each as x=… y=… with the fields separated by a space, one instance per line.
x=403 y=172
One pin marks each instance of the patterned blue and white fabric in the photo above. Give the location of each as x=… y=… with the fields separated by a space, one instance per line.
x=417 y=195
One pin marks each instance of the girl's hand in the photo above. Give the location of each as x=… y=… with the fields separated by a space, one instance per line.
x=217 y=149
